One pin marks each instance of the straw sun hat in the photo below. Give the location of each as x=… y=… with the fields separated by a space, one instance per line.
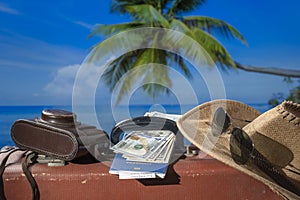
x=274 y=152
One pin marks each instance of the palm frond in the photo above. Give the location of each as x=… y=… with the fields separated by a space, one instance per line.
x=157 y=81
x=119 y=5
x=108 y=30
x=164 y=4
x=119 y=67
x=152 y=78
x=152 y=55
x=145 y=69
x=182 y=6
x=178 y=61
x=177 y=25
x=144 y=66
x=210 y=25
x=191 y=47
x=147 y=13
x=216 y=50
x=191 y=36
x=108 y=49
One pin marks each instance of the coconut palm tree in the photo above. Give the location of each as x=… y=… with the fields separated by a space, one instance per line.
x=168 y=14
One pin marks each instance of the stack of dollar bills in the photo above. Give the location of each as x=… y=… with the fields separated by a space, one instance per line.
x=143 y=154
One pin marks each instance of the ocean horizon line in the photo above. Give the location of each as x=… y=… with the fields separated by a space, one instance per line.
x=67 y=105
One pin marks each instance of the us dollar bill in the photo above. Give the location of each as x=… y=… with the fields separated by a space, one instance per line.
x=160 y=156
x=143 y=144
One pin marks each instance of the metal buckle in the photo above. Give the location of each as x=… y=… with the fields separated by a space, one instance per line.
x=51 y=162
x=190 y=153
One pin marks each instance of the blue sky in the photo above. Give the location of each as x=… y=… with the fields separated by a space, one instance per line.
x=43 y=43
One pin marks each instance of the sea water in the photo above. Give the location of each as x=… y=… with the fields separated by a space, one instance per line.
x=107 y=116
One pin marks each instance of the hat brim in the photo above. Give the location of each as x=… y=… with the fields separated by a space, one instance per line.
x=195 y=125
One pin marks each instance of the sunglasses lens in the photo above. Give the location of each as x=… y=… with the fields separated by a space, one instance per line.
x=241 y=146
x=221 y=120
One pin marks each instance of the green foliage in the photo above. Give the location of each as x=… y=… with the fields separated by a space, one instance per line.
x=183 y=6
x=147 y=14
x=294 y=94
x=163 y=14
x=273 y=102
x=213 y=25
x=119 y=6
x=276 y=99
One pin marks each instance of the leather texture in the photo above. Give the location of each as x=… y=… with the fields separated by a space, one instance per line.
x=198 y=177
x=57 y=134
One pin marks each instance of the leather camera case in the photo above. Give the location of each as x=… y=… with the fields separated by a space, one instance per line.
x=57 y=134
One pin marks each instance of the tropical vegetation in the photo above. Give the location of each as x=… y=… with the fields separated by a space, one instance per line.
x=294 y=94
x=171 y=14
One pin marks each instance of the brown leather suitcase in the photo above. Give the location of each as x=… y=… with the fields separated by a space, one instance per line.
x=188 y=178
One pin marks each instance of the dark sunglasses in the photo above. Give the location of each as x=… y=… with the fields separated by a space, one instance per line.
x=241 y=146
x=242 y=149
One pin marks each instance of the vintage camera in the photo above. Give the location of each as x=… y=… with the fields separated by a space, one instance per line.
x=58 y=134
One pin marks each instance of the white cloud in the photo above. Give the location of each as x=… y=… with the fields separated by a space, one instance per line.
x=6 y=9
x=63 y=82
x=80 y=79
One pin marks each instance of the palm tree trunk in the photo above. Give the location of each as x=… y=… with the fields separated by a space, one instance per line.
x=269 y=70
